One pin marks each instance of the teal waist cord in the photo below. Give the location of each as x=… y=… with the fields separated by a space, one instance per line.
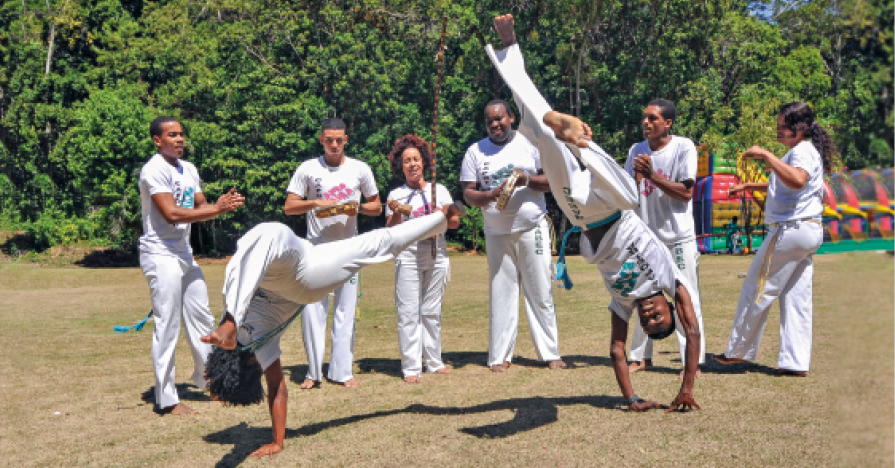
x=562 y=271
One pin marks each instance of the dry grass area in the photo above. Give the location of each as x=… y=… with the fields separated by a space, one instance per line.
x=75 y=393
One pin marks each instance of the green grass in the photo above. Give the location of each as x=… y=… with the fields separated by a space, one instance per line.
x=62 y=356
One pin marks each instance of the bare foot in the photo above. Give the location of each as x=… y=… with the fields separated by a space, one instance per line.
x=557 y=364
x=722 y=359
x=179 y=410
x=569 y=129
x=790 y=373
x=500 y=367
x=412 y=379
x=681 y=375
x=224 y=336
x=504 y=26
x=351 y=383
x=638 y=366
x=309 y=384
x=443 y=370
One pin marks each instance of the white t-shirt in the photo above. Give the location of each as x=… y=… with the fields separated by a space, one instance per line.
x=633 y=262
x=671 y=220
x=488 y=165
x=314 y=180
x=157 y=176
x=784 y=203
x=420 y=200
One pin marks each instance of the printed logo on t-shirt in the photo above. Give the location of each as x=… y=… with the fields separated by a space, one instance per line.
x=627 y=279
x=188 y=198
x=421 y=211
x=499 y=176
x=649 y=186
x=338 y=193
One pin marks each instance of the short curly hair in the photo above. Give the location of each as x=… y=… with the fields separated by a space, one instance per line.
x=409 y=141
x=233 y=377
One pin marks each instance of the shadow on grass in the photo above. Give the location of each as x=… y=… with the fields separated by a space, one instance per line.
x=741 y=368
x=186 y=392
x=110 y=258
x=528 y=414
x=457 y=360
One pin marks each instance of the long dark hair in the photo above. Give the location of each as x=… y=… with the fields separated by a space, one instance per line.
x=409 y=141
x=798 y=117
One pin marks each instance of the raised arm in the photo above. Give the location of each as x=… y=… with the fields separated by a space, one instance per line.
x=203 y=211
x=792 y=177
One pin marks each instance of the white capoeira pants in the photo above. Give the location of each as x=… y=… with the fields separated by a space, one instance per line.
x=420 y=280
x=789 y=270
x=313 y=333
x=514 y=259
x=272 y=258
x=686 y=259
x=178 y=291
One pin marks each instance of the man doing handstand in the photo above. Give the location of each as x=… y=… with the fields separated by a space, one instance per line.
x=636 y=267
x=271 y=276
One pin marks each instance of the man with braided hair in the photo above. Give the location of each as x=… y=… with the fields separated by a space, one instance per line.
x=273 y=274
x=636 y=267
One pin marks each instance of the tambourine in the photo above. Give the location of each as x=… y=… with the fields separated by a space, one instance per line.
x=334 y=210
x=508 y=190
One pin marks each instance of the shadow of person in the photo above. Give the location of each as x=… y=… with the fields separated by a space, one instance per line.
x=740 y=368
x=185 y=391
x=528 y=414
x=390 y=367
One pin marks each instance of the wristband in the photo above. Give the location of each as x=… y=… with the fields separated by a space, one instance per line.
x=634 y=399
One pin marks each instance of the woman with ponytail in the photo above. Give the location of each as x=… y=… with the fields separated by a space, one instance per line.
x=784 y=265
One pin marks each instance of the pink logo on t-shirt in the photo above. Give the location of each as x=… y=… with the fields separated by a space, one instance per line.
x=338 y=193
x=419 y=212
x=649 y=186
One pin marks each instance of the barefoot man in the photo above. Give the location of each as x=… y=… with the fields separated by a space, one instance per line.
x=269 y=279
x=323 y=181
x=171 y=199
x=664 y=168
x=636 y=267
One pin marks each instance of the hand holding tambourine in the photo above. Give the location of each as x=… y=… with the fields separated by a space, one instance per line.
x=348 y=208
x=518 y=178
x=399 y=208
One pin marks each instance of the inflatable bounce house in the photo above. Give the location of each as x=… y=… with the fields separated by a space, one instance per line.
x=858 y=212
x=722 y=219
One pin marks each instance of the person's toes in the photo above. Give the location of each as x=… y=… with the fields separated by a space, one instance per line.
x=557 y=364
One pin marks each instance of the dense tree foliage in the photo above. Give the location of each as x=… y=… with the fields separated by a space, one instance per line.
x=251 y=81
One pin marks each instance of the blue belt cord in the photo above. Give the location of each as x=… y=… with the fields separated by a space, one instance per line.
x=562 y=271
x=135 y=327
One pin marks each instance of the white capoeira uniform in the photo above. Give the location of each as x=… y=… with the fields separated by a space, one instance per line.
x=517 y=242
x=176 y=284
x=420 y=280
x=671 y=221
x=633 y=262
x=274 y=272
x=314 y=180
x=783 y=267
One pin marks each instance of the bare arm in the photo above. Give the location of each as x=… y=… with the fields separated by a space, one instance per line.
x=792 y=177
x=538 y=183
x=750 y=187
x=479 y=198
x=277 y=397
x=681 y=191
x=373 y=207
x=202 y=211
x=620 y=364
x=395 y=218
x=296 y=205
x=687 y=317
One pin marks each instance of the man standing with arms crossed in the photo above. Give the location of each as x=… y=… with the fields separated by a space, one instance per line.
x=171 y=199
x=517 y=239
x=325 y=181
x=664 y=167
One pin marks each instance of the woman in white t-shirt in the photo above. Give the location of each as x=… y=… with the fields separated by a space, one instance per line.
x=784 y=265
x=420 y=277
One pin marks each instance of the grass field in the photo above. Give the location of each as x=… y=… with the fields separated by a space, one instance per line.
x=75 y=393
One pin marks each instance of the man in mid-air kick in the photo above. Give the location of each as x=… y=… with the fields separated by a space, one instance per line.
x=636 y=267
